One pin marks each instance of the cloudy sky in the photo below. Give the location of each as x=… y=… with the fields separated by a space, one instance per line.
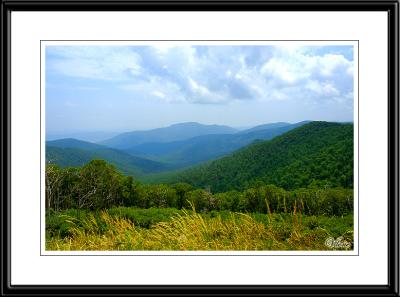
x=122 y=88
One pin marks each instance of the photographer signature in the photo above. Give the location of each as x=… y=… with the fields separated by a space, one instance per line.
x=338 y=243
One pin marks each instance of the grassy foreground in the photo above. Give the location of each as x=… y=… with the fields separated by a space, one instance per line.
x=188 y=230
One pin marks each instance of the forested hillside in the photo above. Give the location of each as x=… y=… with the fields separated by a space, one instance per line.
x=318 y=154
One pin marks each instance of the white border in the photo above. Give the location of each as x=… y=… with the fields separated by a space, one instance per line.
x=28 y=28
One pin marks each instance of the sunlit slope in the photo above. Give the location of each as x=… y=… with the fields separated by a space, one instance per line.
x=316 y=154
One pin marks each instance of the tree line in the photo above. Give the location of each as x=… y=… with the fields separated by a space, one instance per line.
x=98 y=185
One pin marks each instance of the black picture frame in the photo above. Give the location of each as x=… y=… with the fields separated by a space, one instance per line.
x=391 y=289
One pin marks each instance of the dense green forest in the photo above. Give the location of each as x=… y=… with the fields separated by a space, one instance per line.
x=98 y=185
x=318 y=154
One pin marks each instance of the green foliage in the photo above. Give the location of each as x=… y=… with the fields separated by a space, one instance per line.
x=157 y=196
x=316 y=154
x=98 y=185
x=60 y=187
x=232 y=200
x=181 y=189
x=94 y=186
x=201 y=200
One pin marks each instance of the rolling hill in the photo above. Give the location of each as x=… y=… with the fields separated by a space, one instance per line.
x=92 y=136
x=168 y=134
x=206 y=147
x=73 y=152
x=315 y=154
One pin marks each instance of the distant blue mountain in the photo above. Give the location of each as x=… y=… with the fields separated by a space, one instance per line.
x=206 y=147
x=73 y=152
x=149 y=156
x=175 y=132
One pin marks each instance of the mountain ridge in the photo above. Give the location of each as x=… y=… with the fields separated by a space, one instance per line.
x=317 y=153
x=206 y=147
x=170 y=133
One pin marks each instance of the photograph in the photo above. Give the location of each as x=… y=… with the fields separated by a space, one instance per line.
x=199 y=146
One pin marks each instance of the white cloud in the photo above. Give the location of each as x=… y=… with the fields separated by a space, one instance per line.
x=322 y=88
x=212 y=74
x=299 y=66
x=329 y=64
x=299 y=74
x=285 y=71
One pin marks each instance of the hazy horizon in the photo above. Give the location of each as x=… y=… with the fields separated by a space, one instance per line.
x=96 y=136
x=152 y=128
x=114 y=89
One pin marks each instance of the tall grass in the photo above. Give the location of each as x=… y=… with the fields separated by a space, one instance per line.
x=189 y=230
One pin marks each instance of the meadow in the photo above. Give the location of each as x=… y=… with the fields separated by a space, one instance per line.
x=126 y=228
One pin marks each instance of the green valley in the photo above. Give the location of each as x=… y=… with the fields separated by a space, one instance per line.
x=296 y=189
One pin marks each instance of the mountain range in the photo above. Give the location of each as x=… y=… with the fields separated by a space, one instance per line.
x=174 y=132
x=315 y=154
x=177 y=146
x=202 y=148
x=222 y=158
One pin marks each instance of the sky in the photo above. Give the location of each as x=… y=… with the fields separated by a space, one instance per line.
x=126 y=88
